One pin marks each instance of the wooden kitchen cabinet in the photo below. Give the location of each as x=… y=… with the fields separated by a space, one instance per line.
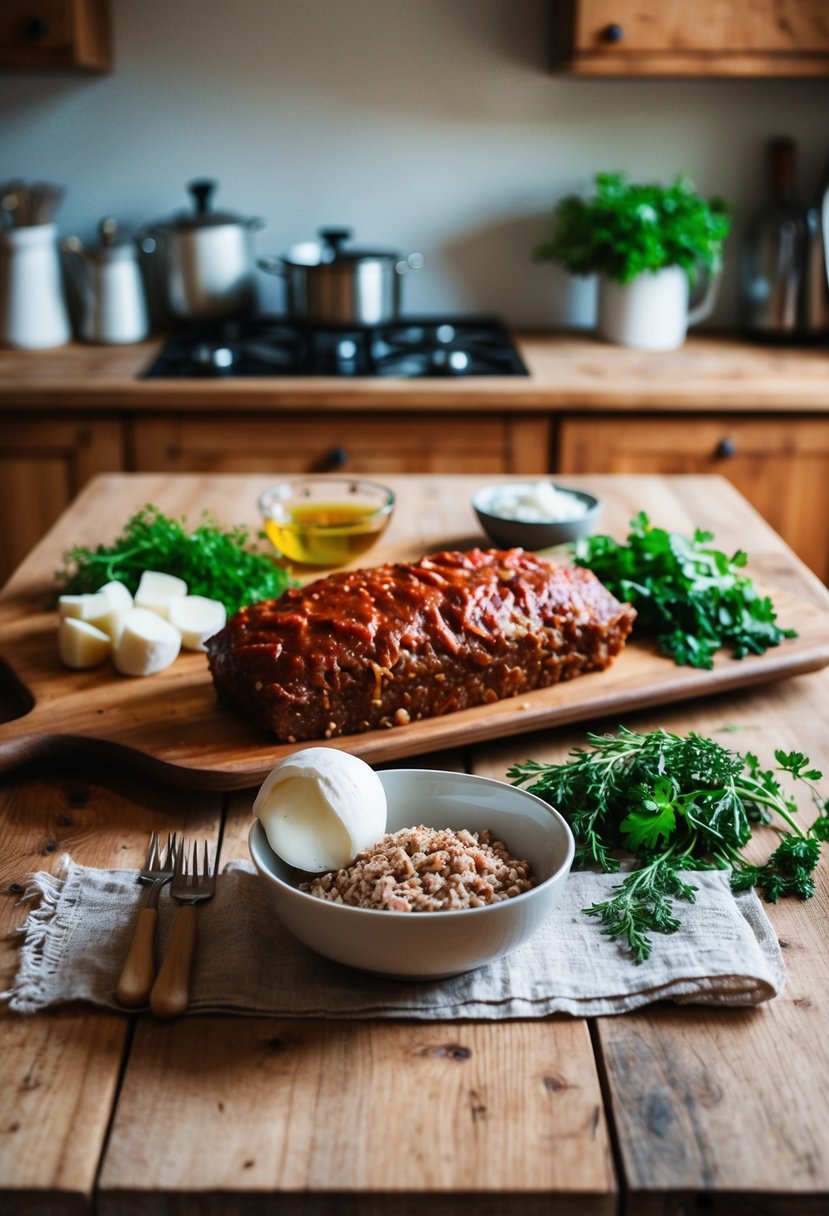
x=780 y=463
x=56 y=34
x=438 y=442
x=44 y=462
x=706 y=38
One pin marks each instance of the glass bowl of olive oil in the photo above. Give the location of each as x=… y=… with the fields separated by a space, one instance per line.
x=325 y=521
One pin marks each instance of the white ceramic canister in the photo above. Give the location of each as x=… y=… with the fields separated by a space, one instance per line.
x=33 y=311
x=652 y=312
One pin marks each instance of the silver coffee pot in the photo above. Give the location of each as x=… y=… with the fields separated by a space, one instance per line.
x=112 y=305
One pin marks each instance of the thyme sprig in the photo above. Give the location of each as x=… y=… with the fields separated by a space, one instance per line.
x=674 y=804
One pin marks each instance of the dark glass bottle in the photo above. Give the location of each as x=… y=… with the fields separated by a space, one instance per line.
x=773 y=263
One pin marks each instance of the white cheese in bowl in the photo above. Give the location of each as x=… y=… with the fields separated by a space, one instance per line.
x=320 y=807
x=535 y=503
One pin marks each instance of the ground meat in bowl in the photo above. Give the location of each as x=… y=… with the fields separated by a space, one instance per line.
x=427 y=870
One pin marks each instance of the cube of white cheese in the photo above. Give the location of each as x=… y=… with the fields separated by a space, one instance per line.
x=156 y=590
x=148 y=644
x=81 y=644
x=197 y=618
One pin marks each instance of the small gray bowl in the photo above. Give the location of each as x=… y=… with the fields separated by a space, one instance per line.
x=542 y=533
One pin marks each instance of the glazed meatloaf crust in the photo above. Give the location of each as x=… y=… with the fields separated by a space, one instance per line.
x=365 y=649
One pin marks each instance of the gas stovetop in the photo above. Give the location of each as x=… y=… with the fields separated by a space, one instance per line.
x=411 y=347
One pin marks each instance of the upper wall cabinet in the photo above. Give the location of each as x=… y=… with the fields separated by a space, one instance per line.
x=69 y=34
x=703 y=38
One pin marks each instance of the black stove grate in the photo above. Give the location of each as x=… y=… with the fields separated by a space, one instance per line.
x=412 y=347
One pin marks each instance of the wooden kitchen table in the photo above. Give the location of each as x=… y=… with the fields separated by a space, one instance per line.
x=667 y=1110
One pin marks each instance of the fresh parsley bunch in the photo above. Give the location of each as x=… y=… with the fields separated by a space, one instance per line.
x=219 y=563
x=674 y=804
x=627 y=229
x=694 y=597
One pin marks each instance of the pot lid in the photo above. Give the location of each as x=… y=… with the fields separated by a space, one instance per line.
x=330 y=249
x=203 y=215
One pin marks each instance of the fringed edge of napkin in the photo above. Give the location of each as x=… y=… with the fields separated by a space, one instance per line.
x=43 y=933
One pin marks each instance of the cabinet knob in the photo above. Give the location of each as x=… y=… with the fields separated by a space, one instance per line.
x=336 y=458
x=35 y=29
x=725 y=449
x=613 y=33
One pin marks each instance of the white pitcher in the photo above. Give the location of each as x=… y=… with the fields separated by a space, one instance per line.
x=33 y=311
x=653 y=311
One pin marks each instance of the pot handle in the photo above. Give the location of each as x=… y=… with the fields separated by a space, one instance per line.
x=415 y=261
x=709 y=297
x=271 y=265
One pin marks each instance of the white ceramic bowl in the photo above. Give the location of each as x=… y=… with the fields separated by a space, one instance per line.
x=432 y=945
x=541 y=533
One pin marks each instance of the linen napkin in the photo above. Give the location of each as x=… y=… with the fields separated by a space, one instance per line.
x=75 y=940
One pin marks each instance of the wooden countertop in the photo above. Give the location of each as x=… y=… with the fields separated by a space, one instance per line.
x=566 y=372
x=651 y=1111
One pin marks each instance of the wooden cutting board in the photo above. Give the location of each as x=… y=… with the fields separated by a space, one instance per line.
x=170 y=726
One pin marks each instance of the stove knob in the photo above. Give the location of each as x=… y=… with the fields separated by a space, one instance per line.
x=216 y=359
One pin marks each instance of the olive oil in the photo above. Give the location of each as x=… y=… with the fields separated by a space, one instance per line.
x=325 y=533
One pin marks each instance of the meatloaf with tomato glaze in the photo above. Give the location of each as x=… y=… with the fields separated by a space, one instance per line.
x=365 y=649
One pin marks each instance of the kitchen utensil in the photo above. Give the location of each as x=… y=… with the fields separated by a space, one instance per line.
x=325 y=521
x=44 y=200
x=33 y=311
x=431 y=945
x=330 y=283
x=208 y=258
x=191 y=885
x=136 y=979
x=26 y=206
x=108 y=284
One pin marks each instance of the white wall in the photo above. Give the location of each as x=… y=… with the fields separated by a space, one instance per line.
x=431 y=125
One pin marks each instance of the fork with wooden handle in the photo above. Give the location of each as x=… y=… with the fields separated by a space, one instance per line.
x=138 y=971
x=170 y=995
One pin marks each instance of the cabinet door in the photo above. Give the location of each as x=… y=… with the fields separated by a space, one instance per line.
x=360 y=443
x=706 y=38
x=780 y=464
x=55 y=34
x=43 y=465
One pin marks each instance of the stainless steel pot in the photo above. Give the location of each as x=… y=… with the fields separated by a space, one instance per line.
x=209 y=267
x=328 y=283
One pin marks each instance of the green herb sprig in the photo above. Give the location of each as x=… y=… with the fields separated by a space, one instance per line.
x=220 y=563
x=673 y=804
x=695 y=598
x=627 y=229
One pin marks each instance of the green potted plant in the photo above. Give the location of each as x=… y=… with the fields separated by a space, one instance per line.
x=647 y=244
